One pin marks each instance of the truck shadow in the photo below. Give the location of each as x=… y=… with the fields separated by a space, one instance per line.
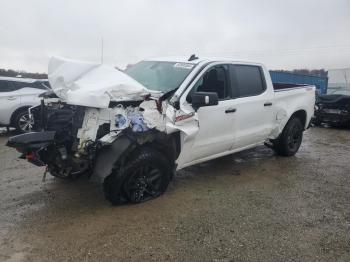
x=60 y=204
x=84 y=196
x=230 y=164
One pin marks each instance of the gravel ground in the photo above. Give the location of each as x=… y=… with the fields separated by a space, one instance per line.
x=251 y=206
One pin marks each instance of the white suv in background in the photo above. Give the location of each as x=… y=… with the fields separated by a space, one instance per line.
x=16 y=96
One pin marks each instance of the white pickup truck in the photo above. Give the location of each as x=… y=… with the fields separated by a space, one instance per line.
x=134 y=129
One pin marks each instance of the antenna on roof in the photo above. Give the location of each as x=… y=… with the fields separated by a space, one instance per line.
x=192 y=57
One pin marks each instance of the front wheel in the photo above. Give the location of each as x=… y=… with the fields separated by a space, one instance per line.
x=144 y=177
x=290 y=140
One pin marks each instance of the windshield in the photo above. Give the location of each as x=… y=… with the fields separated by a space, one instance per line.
x=160 y=76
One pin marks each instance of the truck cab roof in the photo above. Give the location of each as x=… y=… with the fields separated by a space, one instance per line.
x=198 y=60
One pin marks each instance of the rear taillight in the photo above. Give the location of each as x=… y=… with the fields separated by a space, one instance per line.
x=30 y=156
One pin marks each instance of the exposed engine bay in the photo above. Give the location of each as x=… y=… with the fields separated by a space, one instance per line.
x=65 y=120
x=79 y=132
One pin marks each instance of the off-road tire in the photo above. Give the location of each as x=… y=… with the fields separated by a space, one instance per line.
x=117 y=186
x=290 y=140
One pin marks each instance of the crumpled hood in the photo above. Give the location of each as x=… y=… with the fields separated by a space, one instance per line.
x=92 y=84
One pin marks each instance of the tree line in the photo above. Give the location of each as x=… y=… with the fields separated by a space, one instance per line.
x=22 y=74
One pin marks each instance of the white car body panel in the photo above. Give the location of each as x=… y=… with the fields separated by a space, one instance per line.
x=254 y=121
x=11 y=101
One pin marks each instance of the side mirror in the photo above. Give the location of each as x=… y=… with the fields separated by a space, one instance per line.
x=200 y=99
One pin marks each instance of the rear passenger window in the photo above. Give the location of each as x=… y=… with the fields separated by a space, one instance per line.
x=249 y=80
x=20 y=85
x=46 y=84
x=6 y=86
x=38 y=85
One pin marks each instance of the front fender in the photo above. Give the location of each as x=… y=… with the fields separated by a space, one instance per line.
x=124 y=144
x=108 y=156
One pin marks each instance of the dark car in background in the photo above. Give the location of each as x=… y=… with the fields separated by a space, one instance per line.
x=333 y=109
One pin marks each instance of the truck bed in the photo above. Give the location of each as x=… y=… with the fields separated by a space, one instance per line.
x=282 y=86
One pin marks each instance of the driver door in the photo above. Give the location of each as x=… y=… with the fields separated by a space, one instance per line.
x=216 y=123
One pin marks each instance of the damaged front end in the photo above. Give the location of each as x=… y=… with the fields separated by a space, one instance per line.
x=72 y=135
x=88 y=108
x=101 y=122
x=55 y=145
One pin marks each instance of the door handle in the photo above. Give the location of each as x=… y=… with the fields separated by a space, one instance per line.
x=11 y=98
x=268 y=104
x=230 y=110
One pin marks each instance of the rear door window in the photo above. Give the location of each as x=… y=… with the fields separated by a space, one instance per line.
x=46 y=84
x=19 y=85
x=248 y=80
x=38 y=85
x=6 y=86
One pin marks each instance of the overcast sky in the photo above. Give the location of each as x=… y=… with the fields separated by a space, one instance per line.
x=282 y=34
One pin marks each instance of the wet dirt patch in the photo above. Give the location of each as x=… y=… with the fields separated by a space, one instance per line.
x=251 y=206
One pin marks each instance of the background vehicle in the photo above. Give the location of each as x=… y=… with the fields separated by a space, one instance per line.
x=340 y=91
x=16 y=96
x=333 y=109
x=162 y=115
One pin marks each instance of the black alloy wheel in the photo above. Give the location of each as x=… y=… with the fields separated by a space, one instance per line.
x=145 y=183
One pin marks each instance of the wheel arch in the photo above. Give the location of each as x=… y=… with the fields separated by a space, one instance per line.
x=22 y=108
x=283 y=119
x=302 y=115
x=169 y=146
x=127 y=145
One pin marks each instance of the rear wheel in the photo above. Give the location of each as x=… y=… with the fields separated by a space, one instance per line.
x=290 y=140
x=22 y=121
x=144 y=177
